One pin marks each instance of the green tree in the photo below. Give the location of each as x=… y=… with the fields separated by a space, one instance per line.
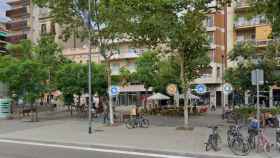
x=49 y=53
x=169 y=70
x=22 y=50
x=247 y=58
x=146 y=69
x=109 y=28
x=25 y=78
x=71 y=79
x=177 y=25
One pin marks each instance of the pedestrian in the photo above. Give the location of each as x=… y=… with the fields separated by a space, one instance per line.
x=213 y=107
x=105 y=113
x=253 y=127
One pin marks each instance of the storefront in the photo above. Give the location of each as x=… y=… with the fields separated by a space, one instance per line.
x=132 y=95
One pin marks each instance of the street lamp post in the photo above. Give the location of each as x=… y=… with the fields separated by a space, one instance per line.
x=89 y=73
x=223 y=94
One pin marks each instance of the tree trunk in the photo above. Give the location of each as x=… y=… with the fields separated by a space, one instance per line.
x=71 y=110
x=109 y=79
x=32 y=112
x=185 y=90
x=145 y=99
x=36 y=113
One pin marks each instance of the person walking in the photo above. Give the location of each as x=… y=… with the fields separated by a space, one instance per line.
x=105 y=113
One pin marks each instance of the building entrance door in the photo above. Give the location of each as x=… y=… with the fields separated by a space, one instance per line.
x=218 y=99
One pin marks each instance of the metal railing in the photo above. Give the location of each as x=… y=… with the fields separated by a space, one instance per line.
x=255 y=42
x=242 y=4
x=251 y=22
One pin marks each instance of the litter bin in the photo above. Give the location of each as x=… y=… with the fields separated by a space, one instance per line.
x=5 y=108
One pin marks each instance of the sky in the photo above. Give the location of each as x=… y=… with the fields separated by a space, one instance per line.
x=3 y=8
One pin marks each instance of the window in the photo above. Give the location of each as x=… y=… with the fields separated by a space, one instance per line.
x=210 y=21
x=212 y=55
x=132 y=67
x=131 y=51
x=211 y=37
x=43 y=29
x=218 y=72
x=115 y=69
x=53 y=31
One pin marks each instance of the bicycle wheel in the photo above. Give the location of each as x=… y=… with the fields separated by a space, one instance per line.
x=239 y=147
x=145 y=123
x=267 y=147
x=130 y=123
x=214 y=142
x=207 y=147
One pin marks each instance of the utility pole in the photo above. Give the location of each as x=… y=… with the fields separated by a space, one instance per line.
x=89 y=71
x=258 y=95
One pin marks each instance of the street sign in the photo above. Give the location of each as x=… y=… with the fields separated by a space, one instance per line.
x=171 y=89
x=227 y=88
x=200 y=89
x=257 y=76
x=114 y=90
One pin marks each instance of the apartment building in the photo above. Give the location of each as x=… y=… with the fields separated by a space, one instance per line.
x=255 y=29
x=3 y=20
x=216 y=25
x=21 y=15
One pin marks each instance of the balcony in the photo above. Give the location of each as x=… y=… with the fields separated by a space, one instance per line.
x=241 y=5
x=242 y=23
x=18 y=12
x=257 y=43
x=18 y=25
x=16 y=3
x=212 y=77
x=16 y=38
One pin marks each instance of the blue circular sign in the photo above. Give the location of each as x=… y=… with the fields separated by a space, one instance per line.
x=115 y=90
x=227 y=88
x=200 y=88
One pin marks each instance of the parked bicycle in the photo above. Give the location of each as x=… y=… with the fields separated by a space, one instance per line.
x=278 y=138
x=213 y=140
x=137 y=121
x=236 y=142
x=263 y=143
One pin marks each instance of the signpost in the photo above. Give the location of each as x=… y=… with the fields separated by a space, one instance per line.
x=114 y=90
x=200 y=88
x=172 y=90
x=227 y=88
x=257 y=78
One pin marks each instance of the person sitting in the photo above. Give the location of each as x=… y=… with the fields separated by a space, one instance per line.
x=227 y=111
x=269 y=120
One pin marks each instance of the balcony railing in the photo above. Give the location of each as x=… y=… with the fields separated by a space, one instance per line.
x=242 y=4
x=19 y=25
x=241 y=22
x=19 y=2
x=258 y=43
x=16 y=38
x=18 y=12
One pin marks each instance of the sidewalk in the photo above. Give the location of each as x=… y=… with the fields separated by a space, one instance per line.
x=155 y=138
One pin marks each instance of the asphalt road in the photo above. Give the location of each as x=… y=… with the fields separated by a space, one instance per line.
x=26 y=149
x=18 y=149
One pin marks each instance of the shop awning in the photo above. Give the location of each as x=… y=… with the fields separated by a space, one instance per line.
x=158 y=96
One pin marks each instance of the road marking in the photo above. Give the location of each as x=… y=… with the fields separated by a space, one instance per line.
x=92 y=149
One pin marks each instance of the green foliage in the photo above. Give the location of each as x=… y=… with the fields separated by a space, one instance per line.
x=25 y=78
x=251 y=111
x=245 y=56
x=146 y=68
x=22 y=50
x=72 y=78
x=169 y=72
